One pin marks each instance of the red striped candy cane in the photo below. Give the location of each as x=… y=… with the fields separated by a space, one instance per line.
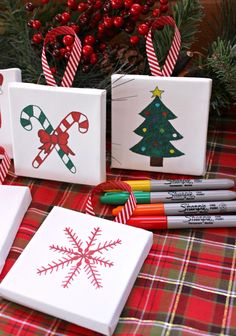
x=128 y=208
x=173 y=52
x=73 y=61
x=5 y=164
x=71 y=119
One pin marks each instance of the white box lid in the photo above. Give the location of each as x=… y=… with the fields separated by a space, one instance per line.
x=79 y=268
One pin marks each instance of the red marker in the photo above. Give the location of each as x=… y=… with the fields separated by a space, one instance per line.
x=193 y=208
x=179 y=222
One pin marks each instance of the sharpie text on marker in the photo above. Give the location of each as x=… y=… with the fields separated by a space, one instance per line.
x=181 y=222
x=170 y=196
x=184 y=184
x=181 y=208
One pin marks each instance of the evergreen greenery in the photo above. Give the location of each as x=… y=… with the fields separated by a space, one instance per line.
x=16 y=49
x=187 y=15
x=218 y=63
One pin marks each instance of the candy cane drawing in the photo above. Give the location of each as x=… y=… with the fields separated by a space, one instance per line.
x=53 y=138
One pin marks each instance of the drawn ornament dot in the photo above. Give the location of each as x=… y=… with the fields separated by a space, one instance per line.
x=172 y=151
x=162 y=130
x=144 y=130
x=143 y=148
x=174 y=135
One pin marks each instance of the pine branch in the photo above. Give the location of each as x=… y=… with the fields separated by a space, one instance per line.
x=14 y=38
x=17 y=51
x=226 y=21
x=219 y=62
x=187 y=14
x=220 y=65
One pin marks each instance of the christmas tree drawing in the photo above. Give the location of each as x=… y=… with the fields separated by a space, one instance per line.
x=157 y=132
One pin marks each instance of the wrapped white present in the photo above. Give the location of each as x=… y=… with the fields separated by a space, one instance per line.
x=80 y=268
x=14 y=202
x=6 y=76
x=59 y=133
x=159 y=123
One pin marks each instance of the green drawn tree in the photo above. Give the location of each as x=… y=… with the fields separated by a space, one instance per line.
x=157 y=132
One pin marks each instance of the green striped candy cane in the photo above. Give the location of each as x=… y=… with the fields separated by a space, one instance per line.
x=33 y=111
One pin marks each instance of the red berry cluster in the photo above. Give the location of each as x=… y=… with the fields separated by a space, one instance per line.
x=96 y=22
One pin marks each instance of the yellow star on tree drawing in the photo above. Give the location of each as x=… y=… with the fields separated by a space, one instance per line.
x=157 y=92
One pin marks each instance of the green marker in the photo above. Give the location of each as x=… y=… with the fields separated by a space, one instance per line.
x=122 y=197
x=143 y=197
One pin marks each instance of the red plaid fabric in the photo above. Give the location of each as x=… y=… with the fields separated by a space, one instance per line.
x=187 y=285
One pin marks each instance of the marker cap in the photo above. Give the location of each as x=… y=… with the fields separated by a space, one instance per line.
x=147 y=209
x=149 y=223
x=122 y=197
x=144 y=185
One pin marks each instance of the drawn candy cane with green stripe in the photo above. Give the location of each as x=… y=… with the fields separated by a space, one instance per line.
x=51 y=138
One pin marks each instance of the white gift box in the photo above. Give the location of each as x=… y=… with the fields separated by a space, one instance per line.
x=59 y=133
x=160 y=123
x=6 y=76
x=80 y=268
x=14 y=202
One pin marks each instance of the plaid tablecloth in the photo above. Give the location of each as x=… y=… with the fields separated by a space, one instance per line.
x=187 y=285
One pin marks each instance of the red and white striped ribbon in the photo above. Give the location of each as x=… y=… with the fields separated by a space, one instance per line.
x=73 y=61
x=128 y=208
x=173 y=52
x=4 y=165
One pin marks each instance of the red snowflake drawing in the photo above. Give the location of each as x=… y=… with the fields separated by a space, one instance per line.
x=78 y=257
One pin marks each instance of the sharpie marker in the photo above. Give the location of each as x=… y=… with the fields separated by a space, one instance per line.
x=179 y=222
x=165 y=185
x=161 y=209
x=143 y=197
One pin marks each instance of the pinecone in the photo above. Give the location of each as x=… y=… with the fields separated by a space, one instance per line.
x=123 y=58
